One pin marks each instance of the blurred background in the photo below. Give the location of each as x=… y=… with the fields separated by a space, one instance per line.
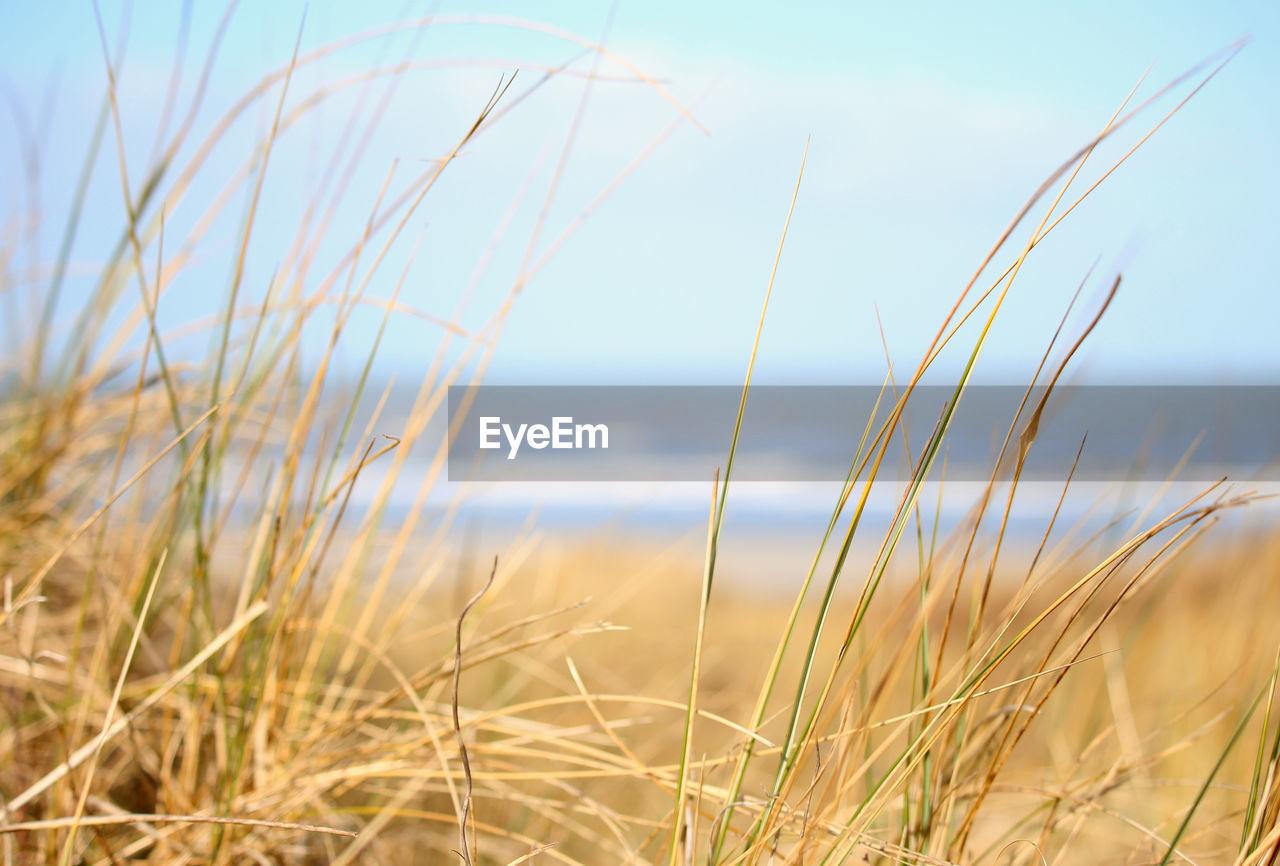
x=619 y=225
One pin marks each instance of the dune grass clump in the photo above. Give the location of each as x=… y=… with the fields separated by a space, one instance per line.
x=212 y=651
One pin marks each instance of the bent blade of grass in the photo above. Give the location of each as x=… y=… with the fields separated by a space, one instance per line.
x=457 y=723
x=1174 y=546
x=908 y=758
x=376 y=593
x=339 y=595
x=1025 y=441
x=1073 y=165
x=1221 y=58
x=488 y=334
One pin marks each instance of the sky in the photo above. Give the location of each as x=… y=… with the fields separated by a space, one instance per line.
x=927 y=125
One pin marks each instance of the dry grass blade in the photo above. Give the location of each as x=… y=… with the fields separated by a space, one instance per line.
x=468 y=783
x=109 y=820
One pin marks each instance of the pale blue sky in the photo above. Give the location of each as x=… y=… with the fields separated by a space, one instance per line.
x=929 y=125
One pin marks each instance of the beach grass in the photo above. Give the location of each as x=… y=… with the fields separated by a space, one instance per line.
x=213 y=652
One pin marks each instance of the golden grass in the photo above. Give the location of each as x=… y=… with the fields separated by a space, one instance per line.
x=209 y=655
